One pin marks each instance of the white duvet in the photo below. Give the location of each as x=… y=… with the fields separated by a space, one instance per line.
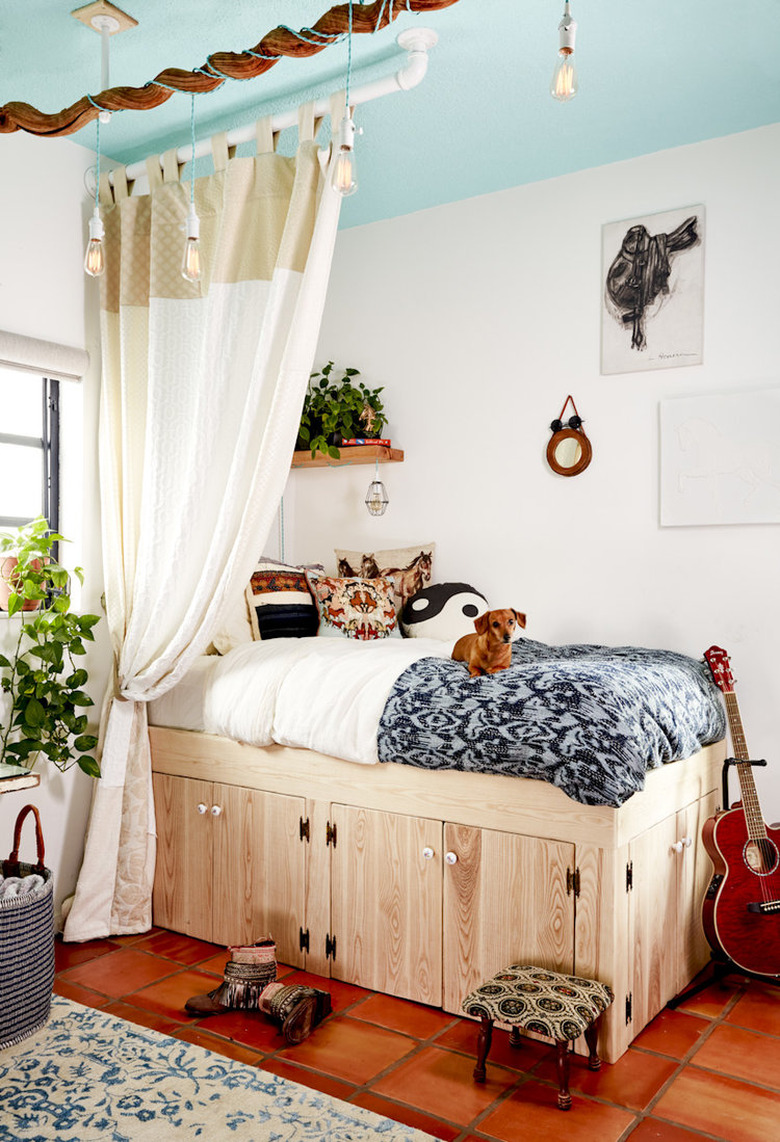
x=325 y=694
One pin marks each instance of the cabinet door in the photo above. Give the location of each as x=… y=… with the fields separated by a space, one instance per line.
x=181 y=899
x=694 y=877
x=653 y=921
x=505 y=901
x=259 y=869
x=386 y=902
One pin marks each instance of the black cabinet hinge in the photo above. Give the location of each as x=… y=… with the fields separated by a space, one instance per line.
x=303 y=939
x=330 y=947
x=304 y=829
x=573 y=882
x=330 y=834
x=630 y=876
x=629 y=1007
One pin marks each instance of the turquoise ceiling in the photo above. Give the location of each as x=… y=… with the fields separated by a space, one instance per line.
x=653 y=75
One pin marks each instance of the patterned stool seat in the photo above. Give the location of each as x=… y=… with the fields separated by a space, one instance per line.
x=547 y=1002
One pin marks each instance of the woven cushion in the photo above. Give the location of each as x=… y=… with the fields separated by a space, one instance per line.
x=280 y=602
x=354 y=608
x=547 y=1002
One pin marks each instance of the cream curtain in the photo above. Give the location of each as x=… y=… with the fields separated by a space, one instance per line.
x=201 y=396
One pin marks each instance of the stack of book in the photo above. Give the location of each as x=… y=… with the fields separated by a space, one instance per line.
x=365 y=440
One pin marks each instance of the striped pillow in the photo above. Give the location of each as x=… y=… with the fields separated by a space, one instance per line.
x=280 y=602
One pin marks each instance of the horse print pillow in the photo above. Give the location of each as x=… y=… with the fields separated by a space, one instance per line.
x=354 y=608
x=410 y=568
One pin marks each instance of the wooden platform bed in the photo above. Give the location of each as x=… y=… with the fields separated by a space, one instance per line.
x=422 y=884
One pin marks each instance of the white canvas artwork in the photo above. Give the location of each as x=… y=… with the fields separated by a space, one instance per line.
x=652 y=310
x=720 y=459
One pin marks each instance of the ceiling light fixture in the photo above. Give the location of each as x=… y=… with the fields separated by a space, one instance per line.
x=94 y=259
x=564 y=81
x=192 y=267
x=343 y=175
x=107 y=20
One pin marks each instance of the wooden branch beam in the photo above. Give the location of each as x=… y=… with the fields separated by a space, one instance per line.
x=220 y=66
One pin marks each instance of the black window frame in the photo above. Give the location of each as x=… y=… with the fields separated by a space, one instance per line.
x=49 y=444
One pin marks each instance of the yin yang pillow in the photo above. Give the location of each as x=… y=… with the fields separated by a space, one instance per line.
x=444 y=611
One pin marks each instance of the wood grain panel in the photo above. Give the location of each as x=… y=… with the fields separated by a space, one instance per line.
x=259 y=869
x=386 y=903
x=182 y=896
x=653 y=936
x=695 y=873
x=505 y=902
x=317 y=904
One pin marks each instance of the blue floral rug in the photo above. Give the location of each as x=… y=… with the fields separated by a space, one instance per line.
x=89 y=1076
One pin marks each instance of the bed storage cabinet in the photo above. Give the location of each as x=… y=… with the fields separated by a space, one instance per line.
x=421 y=884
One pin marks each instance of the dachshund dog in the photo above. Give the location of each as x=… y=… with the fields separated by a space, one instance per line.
x=490 y=649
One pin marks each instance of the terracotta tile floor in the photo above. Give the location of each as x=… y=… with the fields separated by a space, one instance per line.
x=710 y=1070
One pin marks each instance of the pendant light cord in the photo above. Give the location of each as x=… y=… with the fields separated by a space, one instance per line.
x=192 y=138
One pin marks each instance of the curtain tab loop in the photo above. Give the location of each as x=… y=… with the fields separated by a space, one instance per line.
x=266 y=140
x=338 y=107
x=221 y=153
x=306 y=123
x=170 y=166
x=154 y=171
x=105 y=194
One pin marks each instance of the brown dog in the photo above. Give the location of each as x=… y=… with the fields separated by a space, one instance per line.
x=490 y=649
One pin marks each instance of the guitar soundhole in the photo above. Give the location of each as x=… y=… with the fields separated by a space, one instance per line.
x=761 y=857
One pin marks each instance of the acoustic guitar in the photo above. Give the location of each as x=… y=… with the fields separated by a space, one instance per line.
x=741 y=911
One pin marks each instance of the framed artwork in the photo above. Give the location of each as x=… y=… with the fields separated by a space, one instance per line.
x=720 y=460
x=652 y=280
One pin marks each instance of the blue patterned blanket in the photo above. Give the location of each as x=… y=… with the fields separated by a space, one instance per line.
x=590 y=719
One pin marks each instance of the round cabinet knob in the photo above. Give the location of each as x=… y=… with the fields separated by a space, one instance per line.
x=687 y=842
x=428 y=853
x=451 y=858
x=202 y=808
x=216 y=810
x=677 y=846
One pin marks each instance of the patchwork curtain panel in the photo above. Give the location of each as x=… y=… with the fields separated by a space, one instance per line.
x=202 y=387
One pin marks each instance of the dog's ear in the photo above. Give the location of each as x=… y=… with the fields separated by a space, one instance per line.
x=520 y=617
x=481 y=624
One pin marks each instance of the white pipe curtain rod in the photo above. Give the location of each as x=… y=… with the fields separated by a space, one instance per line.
x=416 y=42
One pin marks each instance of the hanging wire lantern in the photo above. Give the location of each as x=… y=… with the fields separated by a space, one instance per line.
x=376 y=496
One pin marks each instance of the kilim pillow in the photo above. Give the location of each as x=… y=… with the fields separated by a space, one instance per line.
x=280 y=602
x=354 y=607
x=410 y=568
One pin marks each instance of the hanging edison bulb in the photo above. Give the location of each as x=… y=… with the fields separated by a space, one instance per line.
x=191 y=267
x=377 y=498
x=343 y=174
x=94 y=260
x=565 y=83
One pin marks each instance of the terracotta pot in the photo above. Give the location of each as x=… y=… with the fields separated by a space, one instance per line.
x=7 y=582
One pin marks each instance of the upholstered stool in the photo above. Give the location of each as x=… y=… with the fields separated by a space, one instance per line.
x=547 y=1002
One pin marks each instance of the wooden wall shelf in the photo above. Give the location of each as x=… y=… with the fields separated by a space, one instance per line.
x=350 y=454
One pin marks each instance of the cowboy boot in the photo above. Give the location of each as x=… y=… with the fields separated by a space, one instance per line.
x=295 y=1008
x=248 y=971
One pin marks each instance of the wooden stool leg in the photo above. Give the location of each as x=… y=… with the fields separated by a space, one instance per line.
x=562 y=1062
x=483 y=1046
x=591 y=1038
x=515 y=1038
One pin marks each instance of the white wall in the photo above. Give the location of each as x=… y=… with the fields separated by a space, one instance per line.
x=44 y=293
x=480 y=317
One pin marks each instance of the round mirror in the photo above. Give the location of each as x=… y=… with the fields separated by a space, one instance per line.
x=569 y=452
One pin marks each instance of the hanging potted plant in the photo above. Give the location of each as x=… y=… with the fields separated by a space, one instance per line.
x=336 y=409
x=41 y=685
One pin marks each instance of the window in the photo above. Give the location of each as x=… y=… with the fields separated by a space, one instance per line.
x=29 y=447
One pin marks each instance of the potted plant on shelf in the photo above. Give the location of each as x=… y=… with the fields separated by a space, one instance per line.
x=336 y=409
x=41 y=687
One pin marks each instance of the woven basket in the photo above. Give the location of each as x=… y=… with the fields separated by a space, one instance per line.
x=26 y=945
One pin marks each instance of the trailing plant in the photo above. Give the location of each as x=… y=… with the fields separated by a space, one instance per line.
x=41 y=682
x=337 y=408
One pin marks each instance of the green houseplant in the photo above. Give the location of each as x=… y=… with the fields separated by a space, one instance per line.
x=44 y=701
x=338 y=408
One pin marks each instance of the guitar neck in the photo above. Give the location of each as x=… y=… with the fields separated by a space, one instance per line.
x=747 y=784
